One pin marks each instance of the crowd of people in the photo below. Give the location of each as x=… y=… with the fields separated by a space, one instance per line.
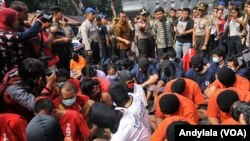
x=122 y=79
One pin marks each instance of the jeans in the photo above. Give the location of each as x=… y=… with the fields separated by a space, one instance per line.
x=181 y=48
x=235 y=46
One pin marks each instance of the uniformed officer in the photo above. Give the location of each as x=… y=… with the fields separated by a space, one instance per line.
x=89 y=35
x=202 y=29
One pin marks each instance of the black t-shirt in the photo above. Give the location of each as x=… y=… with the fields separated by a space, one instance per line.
x=103 y=32
x=184 y=26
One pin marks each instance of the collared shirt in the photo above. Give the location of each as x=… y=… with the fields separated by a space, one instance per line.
x=201 y=25
x=122 y=30
x=88 y=33
x=146 y=32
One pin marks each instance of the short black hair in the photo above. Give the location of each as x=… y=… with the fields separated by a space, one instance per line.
x=172 y=9
x=195 y=8
x=44 y=104
x=17 y=5
x=234 y=60
x=220 y=52
x=186 y=10
x=159 y=9
x=88 y=71
x=87 y=85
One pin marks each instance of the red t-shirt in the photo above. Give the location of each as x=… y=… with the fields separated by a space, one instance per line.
x=77 y=106
x=12 y=127
x=74 y=126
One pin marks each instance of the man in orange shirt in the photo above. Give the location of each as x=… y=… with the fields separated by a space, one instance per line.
x=164 y=129
x=227 y=78
x=76 y=64
x=186 y=87
x=175 y=104
x=220 y=102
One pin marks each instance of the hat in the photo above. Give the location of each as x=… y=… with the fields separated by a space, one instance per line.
x=178 y=86
x=202 y=6
x=44 y=128
x=226 y=76
x=169 y=104
x=221 y=3
x=170 y=132
x=225 y=100
x=143 y=11
x=197 y=61
x=236 y=3
x=118 y=93
x=90 y=10
x=56 y=8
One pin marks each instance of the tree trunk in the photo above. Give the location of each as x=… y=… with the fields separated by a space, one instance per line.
x=76 y=7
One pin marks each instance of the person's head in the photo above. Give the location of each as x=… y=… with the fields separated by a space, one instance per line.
x=112 y=71
x=219 y=13
x=90 y=14
x=68 y=94
x=226 y=77
x=21 y=8
x=185 y=13
x=44 y=106
x=44 y=128
x=171 y=132
x=247 y=7
x=168 y=70
x=90 y=87
x=8 y=19
x=88 y=71
x=98 y=21
x=235 y=12
x=172 y=13
x=143 y=65
x=202 y=7
x=63 y=75
x=179 y=13
x=169 y=104
x=195 y=12
x=215 y=11
x=143 y=14
x=197 y=63
x=172 y=55
x=118 y=94
x=230 y=6
x=123 y=16
x=178 y=86
x=159 y=13
x=57 y=13
x=105 y=116
x=225 y=99
x=64 y=21
x=218 y=55
x=104 y=20
x=31 y=71
x=232 y=63
x=221 y=5
x=164 y=57
x=127 y=80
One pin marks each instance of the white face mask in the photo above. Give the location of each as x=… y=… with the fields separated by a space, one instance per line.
x=171 y=59
x=216 y=60
x=114 y=76
x=69 y=102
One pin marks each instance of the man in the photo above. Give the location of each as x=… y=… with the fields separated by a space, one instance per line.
x=162 y=30
x=218 y=60
x=241 y=70
x=195 y=13
x=202 y=32
x=61 y=43
x=123 y=35
x=89 y=35
x=184 y=29
x=247 y=6
x=144 y=31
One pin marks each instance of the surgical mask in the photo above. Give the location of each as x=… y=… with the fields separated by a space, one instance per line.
x=171 y=59
x=215 y=59
x=69 y=102
x=114 y=76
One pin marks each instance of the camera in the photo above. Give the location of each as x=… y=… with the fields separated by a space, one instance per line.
x=240 y=107
x=244 y=59
x=48 y=72
x=43 y=16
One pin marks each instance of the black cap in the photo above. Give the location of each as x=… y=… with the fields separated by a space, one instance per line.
x=118 y=93
x=44 y=128
x=56 y=8
x=197 y=61
x=226 y=99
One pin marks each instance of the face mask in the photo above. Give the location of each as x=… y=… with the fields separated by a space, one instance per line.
x=199 y=69
x=114 y=76
x=216 y=60
x=69 y=102
x=171 y=59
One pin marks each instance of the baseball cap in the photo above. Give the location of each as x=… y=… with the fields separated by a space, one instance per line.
x=202 y=6
x=143 y=11
x=90 y=10
x=221 y=3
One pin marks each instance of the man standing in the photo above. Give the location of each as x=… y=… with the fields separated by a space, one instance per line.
x=123 y=35
x=144 y=30
x=89 y=35
x=162 y=29
x=202 y=29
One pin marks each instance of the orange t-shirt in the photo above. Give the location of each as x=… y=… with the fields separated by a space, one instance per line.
x=160 y=132
x=241 y=83
x=192 y=91
x=230 y=121
x=213 y=109
x=77 y=66
x=187 y=108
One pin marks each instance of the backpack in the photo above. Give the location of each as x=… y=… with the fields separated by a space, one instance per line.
x=10 y=78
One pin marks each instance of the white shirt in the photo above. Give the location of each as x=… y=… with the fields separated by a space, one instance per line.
x=100 y=73
x=130 y=129
x=138 y=90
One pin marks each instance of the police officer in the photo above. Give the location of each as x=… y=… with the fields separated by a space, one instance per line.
x=202 y=29
x=89 y=35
